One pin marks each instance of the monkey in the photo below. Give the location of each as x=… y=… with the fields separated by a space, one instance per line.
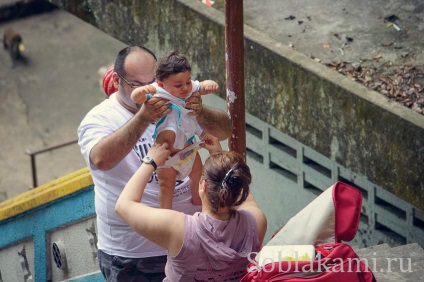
x=12 y=40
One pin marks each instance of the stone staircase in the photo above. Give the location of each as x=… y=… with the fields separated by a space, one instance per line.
x=401 y=263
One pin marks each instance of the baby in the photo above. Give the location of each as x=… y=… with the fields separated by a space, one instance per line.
x=178 y=129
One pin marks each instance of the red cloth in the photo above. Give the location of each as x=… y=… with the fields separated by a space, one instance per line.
x=108 y=85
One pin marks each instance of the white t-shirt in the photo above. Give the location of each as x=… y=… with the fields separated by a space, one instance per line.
x=115 y=237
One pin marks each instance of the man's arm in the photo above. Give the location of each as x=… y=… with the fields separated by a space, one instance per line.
x=213 y=121
x=112 y=149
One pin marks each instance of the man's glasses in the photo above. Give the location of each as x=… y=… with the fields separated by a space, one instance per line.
x=135 y=85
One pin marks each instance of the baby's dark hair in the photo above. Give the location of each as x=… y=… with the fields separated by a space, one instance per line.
x=171 y=63
x=227 y=180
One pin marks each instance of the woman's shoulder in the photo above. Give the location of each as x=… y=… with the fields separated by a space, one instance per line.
x=245 y=213
x=190 y=240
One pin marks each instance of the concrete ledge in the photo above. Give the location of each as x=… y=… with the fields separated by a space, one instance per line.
x=44 y=194
x=10 y=9
x=357 y=128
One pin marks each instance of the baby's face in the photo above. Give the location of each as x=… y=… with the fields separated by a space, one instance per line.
x=179 y=84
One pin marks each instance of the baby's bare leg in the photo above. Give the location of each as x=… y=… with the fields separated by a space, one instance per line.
x=166 y=178
x=195 y=175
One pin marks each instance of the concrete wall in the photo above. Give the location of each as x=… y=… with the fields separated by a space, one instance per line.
x=355 y=127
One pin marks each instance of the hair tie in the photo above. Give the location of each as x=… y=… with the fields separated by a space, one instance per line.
x=227 y=177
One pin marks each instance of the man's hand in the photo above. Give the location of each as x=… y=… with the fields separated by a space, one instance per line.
x=195 y=104
x=154 y=108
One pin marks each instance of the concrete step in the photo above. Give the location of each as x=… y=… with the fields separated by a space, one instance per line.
x=401 y=263
x=371 y=249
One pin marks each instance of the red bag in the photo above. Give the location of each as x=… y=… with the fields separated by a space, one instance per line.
x=340 y=263
x=332 y=217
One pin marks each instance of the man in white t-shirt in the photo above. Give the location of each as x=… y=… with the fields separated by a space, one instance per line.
x=114 y=138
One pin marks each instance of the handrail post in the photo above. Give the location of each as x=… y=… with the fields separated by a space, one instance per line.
x=35 y=153
x=34 y=171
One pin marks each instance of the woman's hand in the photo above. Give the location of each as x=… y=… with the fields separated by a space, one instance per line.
x=159 y=153
x=211 y=143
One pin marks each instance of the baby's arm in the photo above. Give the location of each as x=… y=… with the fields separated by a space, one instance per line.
x=208 y=86
x=139 y=95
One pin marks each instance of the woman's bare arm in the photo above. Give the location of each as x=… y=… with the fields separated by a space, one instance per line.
x=162 y=226
x=250 y=205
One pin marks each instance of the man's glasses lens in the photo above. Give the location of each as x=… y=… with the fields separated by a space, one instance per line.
x=132 y=85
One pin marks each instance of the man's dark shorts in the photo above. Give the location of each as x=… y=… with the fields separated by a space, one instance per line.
x=118 y=269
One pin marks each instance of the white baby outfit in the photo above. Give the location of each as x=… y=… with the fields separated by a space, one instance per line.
x=185 y=128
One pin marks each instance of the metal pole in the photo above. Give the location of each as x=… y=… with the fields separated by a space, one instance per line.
x=234 y=61
x=34 y=172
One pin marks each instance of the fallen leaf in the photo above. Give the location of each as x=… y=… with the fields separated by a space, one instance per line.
x=378 y=57
x=403 y=84
x=391 y=18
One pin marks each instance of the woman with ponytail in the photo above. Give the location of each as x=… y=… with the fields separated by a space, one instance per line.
x=214 y=244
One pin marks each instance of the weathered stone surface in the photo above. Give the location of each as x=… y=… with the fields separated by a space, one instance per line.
x=403 y=263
